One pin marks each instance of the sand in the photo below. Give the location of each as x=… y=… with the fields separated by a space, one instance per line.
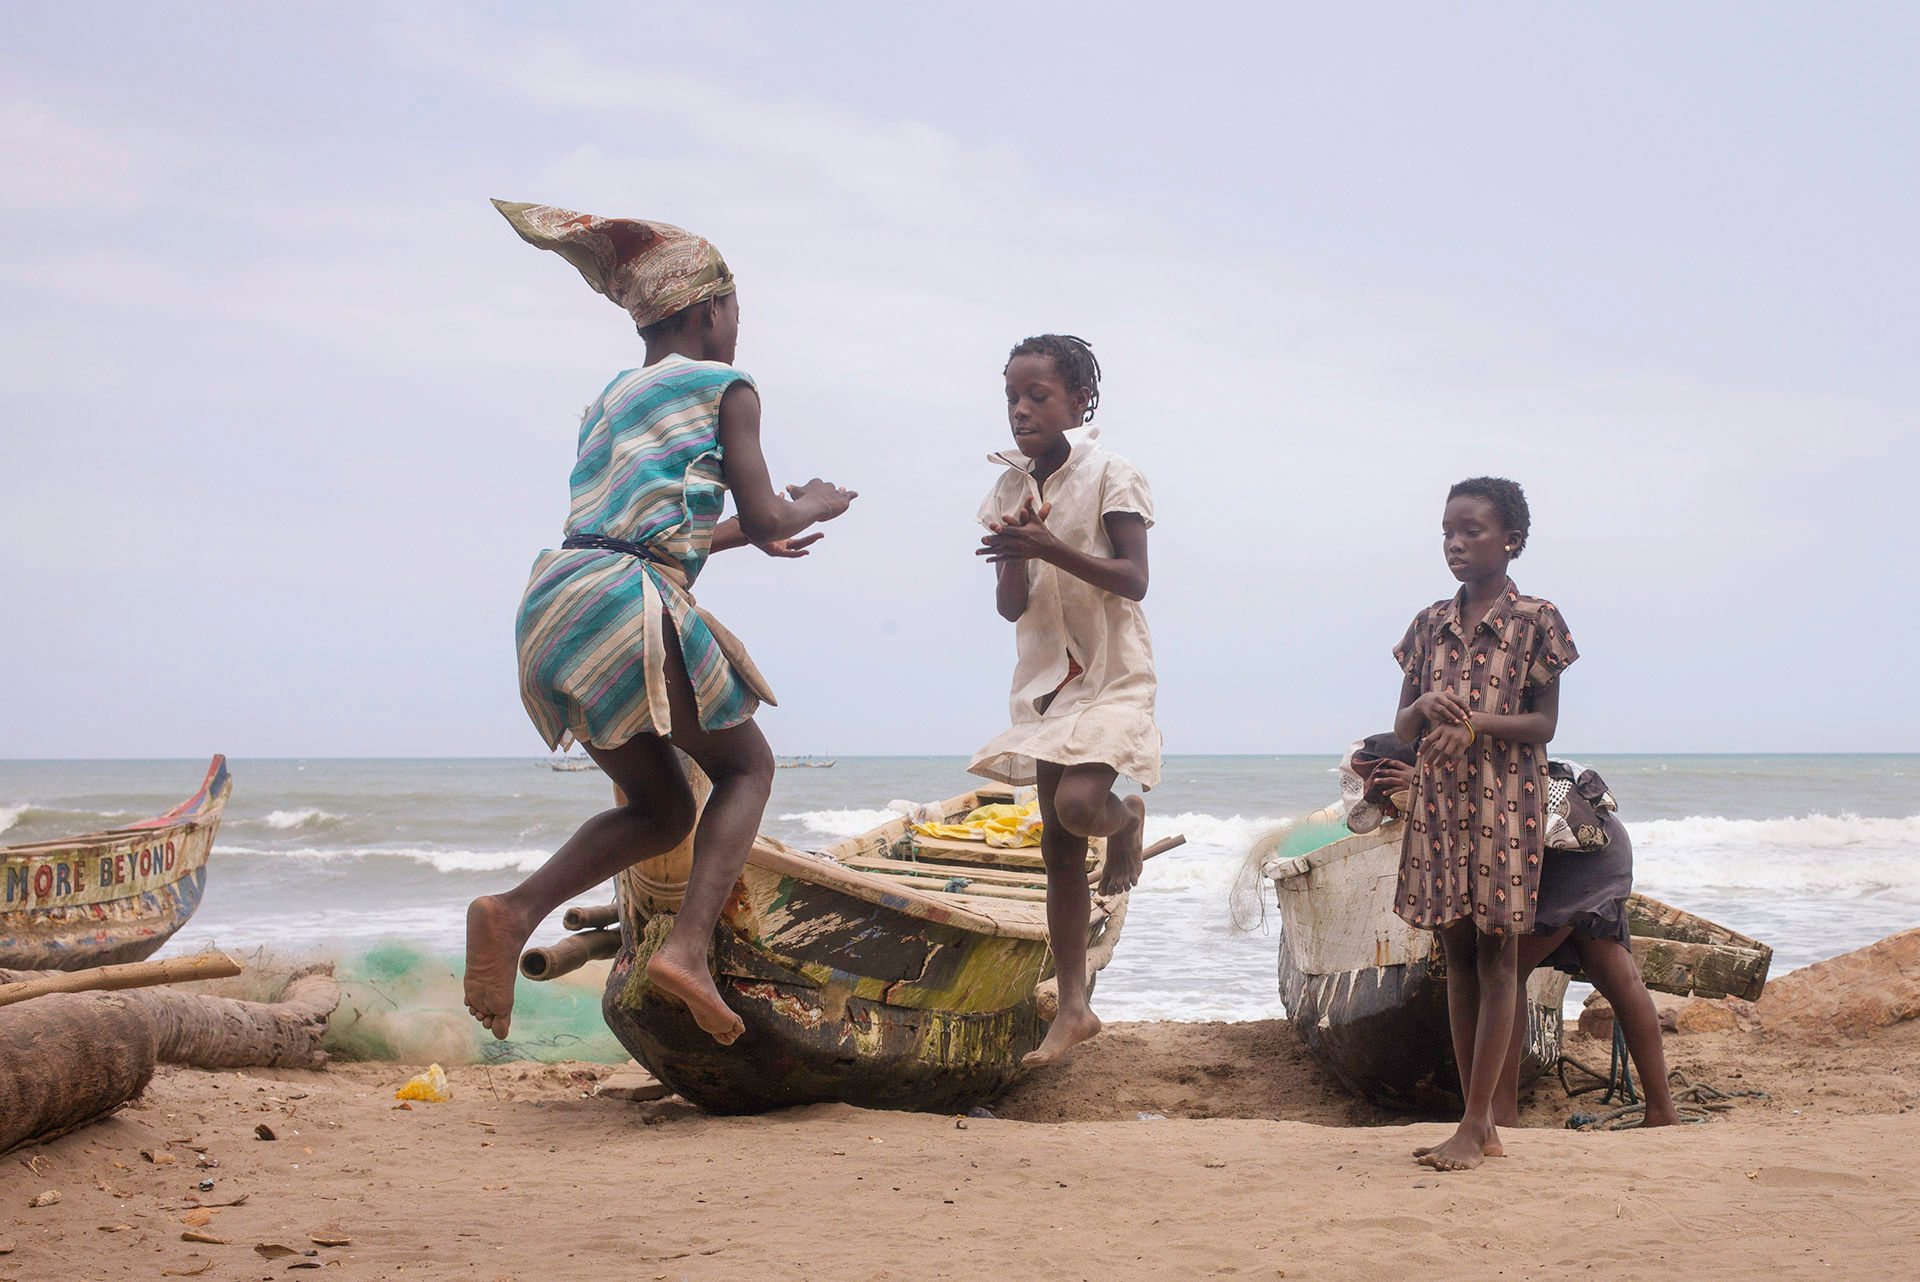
x=1259 y=1169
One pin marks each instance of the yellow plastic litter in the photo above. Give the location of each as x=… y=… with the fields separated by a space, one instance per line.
x=430 y=1086
x=1002 y=826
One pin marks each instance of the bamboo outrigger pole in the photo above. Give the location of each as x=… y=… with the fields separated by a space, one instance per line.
x=100 y=979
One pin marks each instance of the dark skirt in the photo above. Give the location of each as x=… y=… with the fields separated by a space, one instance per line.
x=1587 y=890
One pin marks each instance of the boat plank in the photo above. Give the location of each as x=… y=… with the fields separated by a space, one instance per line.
x=1702 y=970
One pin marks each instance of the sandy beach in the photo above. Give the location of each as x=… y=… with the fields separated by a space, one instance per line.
x=1258 y=1168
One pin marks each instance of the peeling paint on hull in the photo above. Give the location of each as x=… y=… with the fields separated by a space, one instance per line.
x=1382 y=1032
x=843 y=1000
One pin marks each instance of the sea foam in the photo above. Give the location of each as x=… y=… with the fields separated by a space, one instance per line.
x=285 y=819
x=10 y=815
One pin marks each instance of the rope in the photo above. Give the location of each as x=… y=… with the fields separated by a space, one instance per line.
x=1620 y=1072
x=1695 y=1102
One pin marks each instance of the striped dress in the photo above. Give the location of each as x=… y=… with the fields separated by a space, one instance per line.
x=591 y=640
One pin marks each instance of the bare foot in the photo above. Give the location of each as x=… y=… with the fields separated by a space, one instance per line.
x=1668 y=1116
x=1493 y=1148
x=1123 y=854
x=494 y=940
x=1465 y=1149
x=694 y=987
x=1067 y=1032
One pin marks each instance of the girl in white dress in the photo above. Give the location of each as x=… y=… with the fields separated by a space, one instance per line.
x=1067 y=534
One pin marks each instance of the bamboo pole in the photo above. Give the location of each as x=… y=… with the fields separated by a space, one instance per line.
x=591 y=918
x=567 y=955
x=101 y=979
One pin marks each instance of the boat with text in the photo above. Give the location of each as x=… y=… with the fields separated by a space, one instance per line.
x=113 y=896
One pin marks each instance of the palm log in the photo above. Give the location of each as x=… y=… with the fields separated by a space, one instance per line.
x=220 y=1032
x=69 y=1058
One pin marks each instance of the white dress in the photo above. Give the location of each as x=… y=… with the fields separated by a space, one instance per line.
x=1105 y=713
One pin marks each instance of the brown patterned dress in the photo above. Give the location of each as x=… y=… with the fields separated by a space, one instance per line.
x=1475 y=833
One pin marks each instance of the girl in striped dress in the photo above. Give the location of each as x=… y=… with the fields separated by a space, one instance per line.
x=614 y=653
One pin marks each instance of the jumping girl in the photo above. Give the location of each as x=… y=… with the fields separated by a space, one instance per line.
x=1067 y=534
x=613 y=651
x=1481 y=695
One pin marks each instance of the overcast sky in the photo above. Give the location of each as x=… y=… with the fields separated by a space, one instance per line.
x=287 y=409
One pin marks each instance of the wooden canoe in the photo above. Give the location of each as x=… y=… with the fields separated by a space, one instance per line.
x=1367 y=993
x=888 y=970
x=112 y=896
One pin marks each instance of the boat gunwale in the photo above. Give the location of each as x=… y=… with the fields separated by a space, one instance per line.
x=204 y=806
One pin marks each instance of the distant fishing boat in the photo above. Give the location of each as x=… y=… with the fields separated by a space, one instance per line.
x=889 y=970
x=805 y=763
x=1367 y=993
x=570 y=764
x=112 y=896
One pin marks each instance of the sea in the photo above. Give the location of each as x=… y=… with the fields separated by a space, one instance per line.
x=372 y=862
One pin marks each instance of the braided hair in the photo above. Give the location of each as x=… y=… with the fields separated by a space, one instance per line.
x=1509 y=503
x=1073 y=360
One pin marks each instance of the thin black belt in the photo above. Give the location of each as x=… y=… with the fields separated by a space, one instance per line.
x=601 y=543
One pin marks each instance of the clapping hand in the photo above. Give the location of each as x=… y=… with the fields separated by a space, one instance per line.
x=790 y=548
x=1019 y=536
x=830 y=496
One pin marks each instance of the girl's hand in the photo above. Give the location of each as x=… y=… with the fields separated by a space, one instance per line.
x=790 y=548
x=832 y=499
x=1389 y=777
x=1444 y=744
x=1442 y=708
x=1021 y=536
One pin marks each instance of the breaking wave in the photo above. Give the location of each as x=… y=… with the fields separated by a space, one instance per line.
x=448 y=861
x=285 y=819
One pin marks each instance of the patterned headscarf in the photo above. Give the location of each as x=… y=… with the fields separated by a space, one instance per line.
x=651 y=269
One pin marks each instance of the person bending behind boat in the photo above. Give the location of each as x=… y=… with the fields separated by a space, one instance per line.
x=613 y=651
x=1481 y=696
x=1067 y=537
x=1579 y=926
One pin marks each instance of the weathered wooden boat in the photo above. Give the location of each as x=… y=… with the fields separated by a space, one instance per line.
x=1367 y=993
x=889 y=970
x=112 y=896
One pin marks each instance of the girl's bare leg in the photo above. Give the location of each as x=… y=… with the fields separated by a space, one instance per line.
x=1614 y=972
x=1495 y=966
x=1463 y=999
x=656 y=818
x=1534 y=949
x=1086 y=806
x=1069 y=913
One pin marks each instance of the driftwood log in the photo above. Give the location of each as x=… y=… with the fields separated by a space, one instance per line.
x=104 y=979
x=68 y=1058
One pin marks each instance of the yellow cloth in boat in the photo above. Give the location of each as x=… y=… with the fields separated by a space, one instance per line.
x=1002 y=825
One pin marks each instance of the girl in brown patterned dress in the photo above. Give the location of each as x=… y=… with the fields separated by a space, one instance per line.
x=1481 y=695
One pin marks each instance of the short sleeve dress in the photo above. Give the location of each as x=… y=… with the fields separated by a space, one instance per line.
x=1476 y=833
x=590 y=632
x=1083 y=678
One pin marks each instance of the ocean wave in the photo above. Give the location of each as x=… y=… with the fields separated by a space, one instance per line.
x=285 y=819
x=1812 y=855
x=453 y=861
x=836 y=824
x=1806 y=832
x=75 y=822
